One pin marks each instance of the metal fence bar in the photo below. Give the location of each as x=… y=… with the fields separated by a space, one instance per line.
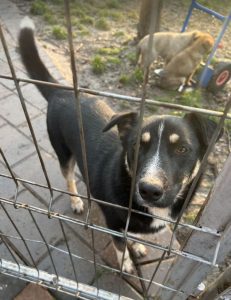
x=193 y=227
x=22 y=101
x=139 y=128
x=106 y=230
x=70 y=254
x=214 y=138
x=45 y=279
x=125 y=97
x=19 y=233
x=77 y=103
x=44 y=240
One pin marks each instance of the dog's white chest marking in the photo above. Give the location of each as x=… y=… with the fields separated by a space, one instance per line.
x=154 y=163
x=161 y=212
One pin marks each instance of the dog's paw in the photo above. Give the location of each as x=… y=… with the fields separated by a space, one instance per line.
x=128 y=266
x=139 y=250
x=77 y=205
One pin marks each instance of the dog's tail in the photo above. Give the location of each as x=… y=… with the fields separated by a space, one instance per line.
x=31 y=59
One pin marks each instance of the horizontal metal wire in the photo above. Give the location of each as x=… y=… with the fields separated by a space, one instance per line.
x=123 y=97
x=190 y=226
x=82 y=291
x=102 y=229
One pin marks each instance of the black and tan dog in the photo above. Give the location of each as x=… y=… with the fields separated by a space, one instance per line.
x=171 y=149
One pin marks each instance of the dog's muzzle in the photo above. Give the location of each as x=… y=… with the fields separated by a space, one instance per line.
x=151 y=192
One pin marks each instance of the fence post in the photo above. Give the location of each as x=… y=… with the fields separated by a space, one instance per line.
x=185 y=274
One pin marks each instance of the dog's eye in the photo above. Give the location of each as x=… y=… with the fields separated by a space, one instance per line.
x=181 y=150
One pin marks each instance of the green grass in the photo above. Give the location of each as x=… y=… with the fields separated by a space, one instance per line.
x=87 y=20
x=50 y=18
x=59 y=32
x=113 y=3
x=131 y=56
x=98 y=65
x=136 y=77
x=38 y=7
x=192 y=98
x=113 y=61
x=109 y=51
x=102 y=24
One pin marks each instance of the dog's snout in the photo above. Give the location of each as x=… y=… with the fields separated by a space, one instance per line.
x=150 y=192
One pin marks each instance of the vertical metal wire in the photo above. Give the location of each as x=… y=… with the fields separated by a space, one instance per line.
x=202 y=167
x=70 y=254
x=94 y=259
x=78 y=104
x=12 y=176
x=19 y=233
x=8 y=248
x=44 y=240
x=139 y=130
x=25 y=111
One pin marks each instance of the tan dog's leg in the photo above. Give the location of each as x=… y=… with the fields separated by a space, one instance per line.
x=68 y=173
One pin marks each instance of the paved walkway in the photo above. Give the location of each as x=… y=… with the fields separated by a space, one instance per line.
x=16 y=143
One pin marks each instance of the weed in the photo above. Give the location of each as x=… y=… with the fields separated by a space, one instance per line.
x=192 y=98
x=84 y=31
x=98 y=65
x=102 y=24
x=119 y=34
x=50 y=18
x=114 y=60
x=59 y=32
x=109 y=51
x=137 y=75
x=131 y=56
x=113 y=4
x=135 y=78
x=124 y=79
x=87 y=20
x=38 y=7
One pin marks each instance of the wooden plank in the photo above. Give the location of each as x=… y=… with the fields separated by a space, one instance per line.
x=185 y=274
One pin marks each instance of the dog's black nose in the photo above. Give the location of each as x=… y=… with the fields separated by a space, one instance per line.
x=150 y=192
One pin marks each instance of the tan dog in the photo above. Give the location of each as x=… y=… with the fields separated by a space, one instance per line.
x=165 y=44
x=183 y=66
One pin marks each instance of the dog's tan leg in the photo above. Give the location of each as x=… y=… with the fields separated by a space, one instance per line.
x=68 y=173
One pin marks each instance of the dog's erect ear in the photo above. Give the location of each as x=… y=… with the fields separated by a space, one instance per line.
x=203 y=126
x=196 y=34
x=125 y=122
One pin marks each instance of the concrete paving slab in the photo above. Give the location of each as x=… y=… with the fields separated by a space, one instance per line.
x=25 y=225
x=113 y=283
x=2 y=122
x=84 y=270
x=31 y=170
x=4 y=92
x=33 y=96
x=7 y=187
x=14 y=145
x=62 y=205
x=11 y=110
x=34 y=292
x=40 y=129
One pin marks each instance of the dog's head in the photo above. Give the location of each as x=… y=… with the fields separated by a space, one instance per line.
x=171 y=149
x=205 y=43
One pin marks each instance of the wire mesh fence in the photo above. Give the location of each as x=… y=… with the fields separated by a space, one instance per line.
x=47 y=252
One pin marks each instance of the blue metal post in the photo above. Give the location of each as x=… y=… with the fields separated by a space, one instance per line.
x=203 y=82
